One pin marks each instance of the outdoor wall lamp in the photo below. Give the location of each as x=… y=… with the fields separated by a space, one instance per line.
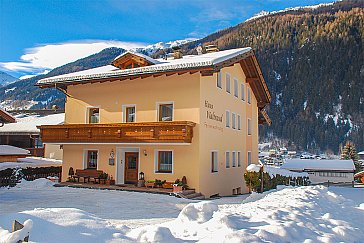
x=145 y=152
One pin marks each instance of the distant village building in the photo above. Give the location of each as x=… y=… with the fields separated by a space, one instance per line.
x=23 y=133
x=11 y=154
x=195 y=116
x=322 y=171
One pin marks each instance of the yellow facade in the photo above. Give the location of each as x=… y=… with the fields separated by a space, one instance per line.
x=193 y=97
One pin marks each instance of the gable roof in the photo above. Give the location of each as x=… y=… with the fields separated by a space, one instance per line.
x=5 y=117
x=136 y=54
x=207 y=64
x=317 y=165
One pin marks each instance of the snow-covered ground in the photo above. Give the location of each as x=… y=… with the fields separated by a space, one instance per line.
x=305 y=214
x=30 y=162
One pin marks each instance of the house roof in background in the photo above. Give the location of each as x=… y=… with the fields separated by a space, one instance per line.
x=12 y=150
x=27 y=124
x=317 y=165
x=5 y=117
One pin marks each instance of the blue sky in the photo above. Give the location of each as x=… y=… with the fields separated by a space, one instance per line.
x=38 y=35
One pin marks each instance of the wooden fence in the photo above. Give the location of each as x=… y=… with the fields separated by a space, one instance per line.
x=29 y=174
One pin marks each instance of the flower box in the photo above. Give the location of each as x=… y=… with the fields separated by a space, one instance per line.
x=177 y=188
x=168 y=185
x=150 y=184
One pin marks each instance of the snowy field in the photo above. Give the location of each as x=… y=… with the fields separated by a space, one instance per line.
x=306 y=214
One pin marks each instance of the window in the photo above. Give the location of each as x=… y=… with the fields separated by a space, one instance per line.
x=228 y=83
x=93 y=115
x=165 y=161
x=91 y=159
x=249 y=158
x=233 y=155
x=165 y=112
x=219 y=81
x=233 y=120
x=38 y=143
x=227 y=159
x=239 y=159
x=249 y=127
x=227 y=118
x=214 y=161
x=249 y=96
x=236 y=89
x=130 y=114
x=242 y=92
x=239 y=123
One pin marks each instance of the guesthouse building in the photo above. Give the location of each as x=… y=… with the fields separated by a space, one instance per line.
x=195 y=116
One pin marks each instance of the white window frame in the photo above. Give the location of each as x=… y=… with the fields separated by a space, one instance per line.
x=233 y=120
x=227 y=159
x=227 y=118
x=219 y=80
x=249 y=96
x=164 y=103
x=239 y=121
x=236 y=88
x=249 y=154
x=238 y=154
x=156 y=154
x=242 y=87
x=124 y=112
x=88 y=114
x=233 y=158
x=217 y=161
x=85 y=154
x=249 y=127
x=228 y=84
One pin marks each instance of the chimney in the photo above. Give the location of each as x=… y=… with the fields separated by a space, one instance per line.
x=211 y=48
x=177 y=53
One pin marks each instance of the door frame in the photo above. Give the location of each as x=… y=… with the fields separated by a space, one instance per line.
x=137 y=167
x=120 y=168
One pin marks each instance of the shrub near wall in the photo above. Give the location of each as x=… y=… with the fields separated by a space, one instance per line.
x=253 y=180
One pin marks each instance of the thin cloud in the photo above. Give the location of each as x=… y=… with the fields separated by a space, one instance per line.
x=46 y=57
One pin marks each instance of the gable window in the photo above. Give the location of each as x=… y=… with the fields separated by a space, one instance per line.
x=219 y=81
x=249 y=96
x=233 y=155
x=227 y=159
x=91 y=159
x=214 y=162
x=165 y=112
x=236 y=89
x=228 y=83
x=242 y=92
x=239 y=122
x=164 y=161
x=233 y=120
x=227 y=118
x=249 y=127
x=249 y=158
x=239 y=159
x=93 y=115
x=129 y=114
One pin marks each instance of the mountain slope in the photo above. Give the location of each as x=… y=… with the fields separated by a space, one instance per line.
x=6 y=79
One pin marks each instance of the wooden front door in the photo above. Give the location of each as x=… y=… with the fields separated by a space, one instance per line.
x=131 y=167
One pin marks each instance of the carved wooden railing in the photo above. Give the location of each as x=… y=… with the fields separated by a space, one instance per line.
x=138 y=132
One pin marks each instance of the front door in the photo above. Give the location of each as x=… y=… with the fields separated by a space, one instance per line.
x=131 y=167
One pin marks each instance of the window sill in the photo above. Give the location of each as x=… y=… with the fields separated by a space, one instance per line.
x=163 y=172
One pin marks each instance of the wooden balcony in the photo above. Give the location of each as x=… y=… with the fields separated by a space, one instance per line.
x=138 y=132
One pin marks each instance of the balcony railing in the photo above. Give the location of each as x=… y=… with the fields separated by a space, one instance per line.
x=138 y=132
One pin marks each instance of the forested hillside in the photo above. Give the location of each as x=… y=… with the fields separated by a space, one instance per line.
x=312 y=60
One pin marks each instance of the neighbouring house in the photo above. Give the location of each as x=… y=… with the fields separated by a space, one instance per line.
x=25 y=134
x=11 y=154
x=361 y=155
x=322 y=171
x=195 y=116
x=6 y=117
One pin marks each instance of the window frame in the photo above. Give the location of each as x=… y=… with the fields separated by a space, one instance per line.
x=233 y=158
x=249 y=126
x=88 y=113
x=227 y=159
x=250 y=159
x=233 y=120
x=212 y=161
x=227 y=118
x=249 y=96
x=242 y=88
x=86 y=153
x=228 y=83
x=157 y=161
x=159 y=104
x=125 y=113
x=236 y=88
x=219 y=80
x=238 y=154
x=239 y=122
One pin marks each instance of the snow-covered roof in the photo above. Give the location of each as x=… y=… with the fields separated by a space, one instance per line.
x=317 y=165
x=361 y=153
x=138 y=54
x=28 y=123
x=274 y=171
x=11 y=150
x=186 y=62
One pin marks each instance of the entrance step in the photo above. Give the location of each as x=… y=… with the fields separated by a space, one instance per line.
x=191 y=194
